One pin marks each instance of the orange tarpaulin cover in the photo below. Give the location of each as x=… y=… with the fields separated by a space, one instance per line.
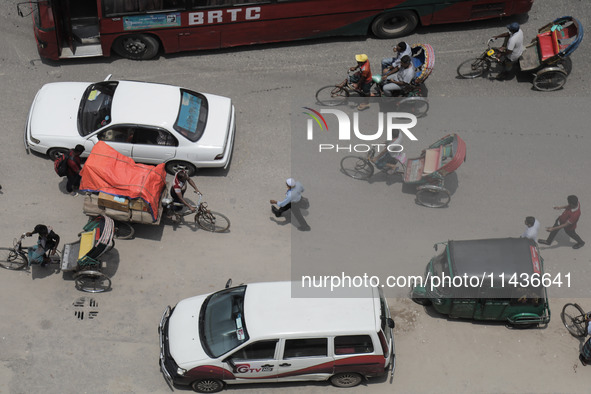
x=108 y=171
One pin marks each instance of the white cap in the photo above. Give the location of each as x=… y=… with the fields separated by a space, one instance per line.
x=290 y=182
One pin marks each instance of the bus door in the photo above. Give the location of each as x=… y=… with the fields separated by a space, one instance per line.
x=63 y=25
x=78 y=28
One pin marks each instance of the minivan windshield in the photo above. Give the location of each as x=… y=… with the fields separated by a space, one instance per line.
x=221 y=321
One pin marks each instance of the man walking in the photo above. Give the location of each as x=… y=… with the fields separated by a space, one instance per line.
x=567 y=221
x=292 y=200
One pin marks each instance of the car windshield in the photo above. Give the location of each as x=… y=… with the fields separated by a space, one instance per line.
x=221 y=321
x=95 y=107
x=192 y=115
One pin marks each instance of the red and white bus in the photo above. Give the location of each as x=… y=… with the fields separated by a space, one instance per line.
x=140 y=29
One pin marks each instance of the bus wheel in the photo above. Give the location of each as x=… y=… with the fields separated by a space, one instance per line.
x=136 y=46
x=394 y=24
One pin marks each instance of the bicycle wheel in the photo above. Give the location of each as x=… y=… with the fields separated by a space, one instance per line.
x=92 y=281
x=124 y=230
x=11 y=260
x=472 y=68
x=213 y=221
x=547 y=81
x=433 y=196
x=418 y=106
x=357 y=167
x=332 y=95
x=573 y=318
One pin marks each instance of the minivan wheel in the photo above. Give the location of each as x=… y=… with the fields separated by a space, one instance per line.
x=346 y=379
x=208 y=386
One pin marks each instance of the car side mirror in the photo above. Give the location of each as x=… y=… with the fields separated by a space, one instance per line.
x=229 y=283
x=390 y=323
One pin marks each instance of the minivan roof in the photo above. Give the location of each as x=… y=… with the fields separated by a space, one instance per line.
x=271 y=312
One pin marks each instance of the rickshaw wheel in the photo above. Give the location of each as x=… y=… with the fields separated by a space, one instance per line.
x=92 y=281
x=418 y=106
x=11 y=260
x=573 y=318
x=332 y=95
x=433 y=196
x=357 y=167
x=472 y=68
x=124 y=230
x=549 y=80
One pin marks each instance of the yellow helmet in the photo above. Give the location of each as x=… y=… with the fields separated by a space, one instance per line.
x=361 y=58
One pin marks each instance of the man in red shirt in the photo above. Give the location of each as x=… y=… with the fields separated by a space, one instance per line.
x=74 y=167
x=567 y=221
x=363 y=80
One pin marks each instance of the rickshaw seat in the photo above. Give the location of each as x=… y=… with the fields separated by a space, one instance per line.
x=548 y=43
x=432 y=160
x=87 y=241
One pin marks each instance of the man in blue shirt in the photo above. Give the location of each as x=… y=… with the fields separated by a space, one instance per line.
x=293 y=196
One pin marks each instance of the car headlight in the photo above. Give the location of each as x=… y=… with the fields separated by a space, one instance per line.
x=35 y=140
x=181 y=371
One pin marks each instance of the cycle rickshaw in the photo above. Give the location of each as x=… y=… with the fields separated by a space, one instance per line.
x=80 y=257
x=411 y=99
x=428 y=171
x=545 y=56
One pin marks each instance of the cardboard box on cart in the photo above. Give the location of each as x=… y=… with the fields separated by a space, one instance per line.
x=108 y=201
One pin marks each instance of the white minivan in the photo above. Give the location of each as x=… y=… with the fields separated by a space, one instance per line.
x=258 y=333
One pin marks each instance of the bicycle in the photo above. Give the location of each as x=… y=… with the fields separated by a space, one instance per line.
x=358 y=167
x=474 y=68
x=205 y=218
x=16 y=258
x=575 y=319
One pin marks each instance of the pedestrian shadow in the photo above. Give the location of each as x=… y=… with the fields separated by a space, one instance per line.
x=295 y=216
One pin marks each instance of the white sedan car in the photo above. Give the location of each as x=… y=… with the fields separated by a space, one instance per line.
x=149 y=122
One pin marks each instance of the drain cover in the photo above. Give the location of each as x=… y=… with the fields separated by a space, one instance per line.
x=85 y=308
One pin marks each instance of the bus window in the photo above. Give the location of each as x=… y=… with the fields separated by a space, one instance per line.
x=114 y=7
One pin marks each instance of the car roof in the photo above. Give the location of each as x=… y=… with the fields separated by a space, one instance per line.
x=146 y=103
x=271 y=312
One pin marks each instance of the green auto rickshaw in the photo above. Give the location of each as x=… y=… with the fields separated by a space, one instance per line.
x=487 y=279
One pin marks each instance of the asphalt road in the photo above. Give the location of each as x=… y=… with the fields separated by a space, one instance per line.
x=527 y=151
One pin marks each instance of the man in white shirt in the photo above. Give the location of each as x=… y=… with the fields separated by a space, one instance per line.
x=391 y=64
x=511 y=50
x=532 y=226
x=403 y=77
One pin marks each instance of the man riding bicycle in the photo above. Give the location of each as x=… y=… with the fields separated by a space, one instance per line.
x=362 y=80
x=391 y=155
x=511 y=50
x=179 y=186
x=47 y=242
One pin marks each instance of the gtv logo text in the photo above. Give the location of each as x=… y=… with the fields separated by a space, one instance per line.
x=386 y=122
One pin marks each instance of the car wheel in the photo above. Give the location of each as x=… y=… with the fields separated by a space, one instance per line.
x=346 y=379
x=208 y=386
x=172 y=167
x=53 y=153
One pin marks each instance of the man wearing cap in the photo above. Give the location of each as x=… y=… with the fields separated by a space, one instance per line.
x=390 y=64
x=402 y=78
x=512 y=48
x=293 y=196
x=362 y=80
